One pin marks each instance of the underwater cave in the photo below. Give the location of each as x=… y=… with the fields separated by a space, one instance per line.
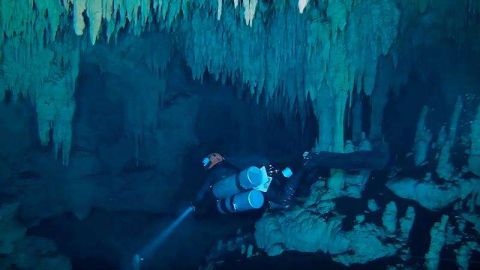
x=244 y=134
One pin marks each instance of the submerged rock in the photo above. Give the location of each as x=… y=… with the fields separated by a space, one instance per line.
x=431 y=195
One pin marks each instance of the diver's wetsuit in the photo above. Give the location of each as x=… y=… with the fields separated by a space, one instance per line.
x=205 y=202
x=282 y=189
x=369 y=160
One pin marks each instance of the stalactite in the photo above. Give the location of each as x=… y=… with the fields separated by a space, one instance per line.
x=140 y=67
x=34 y=67
x=293 y=39
x=95 y=13
x=55 y=103
x=302 y=4
x=250 y=7
x=115 y=14
x=48 y=76
x=321 y=51
x=219 y=9
x=78 y=20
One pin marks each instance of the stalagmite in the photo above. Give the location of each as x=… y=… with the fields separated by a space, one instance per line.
x=437 y=240
x=441 y=138
x=372 y=205
x=423 y=137
x=365 y=245
x=445 y=168
x=300 y=230
x=389 y=218
x=355 y=183
x=464 y=254
x=308 y=231
x=406 y=223
x=359 y=219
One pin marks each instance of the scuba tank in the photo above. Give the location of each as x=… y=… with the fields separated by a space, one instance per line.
x=237 y=193
x=233 y=184
x=241 y=202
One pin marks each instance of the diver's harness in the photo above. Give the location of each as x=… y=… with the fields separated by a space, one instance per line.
x=244 y=191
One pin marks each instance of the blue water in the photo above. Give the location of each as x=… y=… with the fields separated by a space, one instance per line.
x=156 y=242
x=137 y=146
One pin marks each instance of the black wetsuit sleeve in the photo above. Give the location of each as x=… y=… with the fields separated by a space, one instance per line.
x=371 y=160
x=282 y=193
x=205 y=201
x=221 y=171
x=291 y=186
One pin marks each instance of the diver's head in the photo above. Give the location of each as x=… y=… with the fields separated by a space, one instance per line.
x=212 y=160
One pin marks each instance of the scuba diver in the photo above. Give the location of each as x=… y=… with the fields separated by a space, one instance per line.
x=232 y=188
